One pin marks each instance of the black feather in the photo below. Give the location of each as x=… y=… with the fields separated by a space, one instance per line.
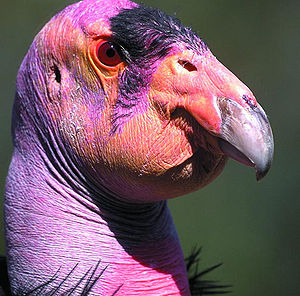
x=144 y=36
x=147 y=34
x=198 y=285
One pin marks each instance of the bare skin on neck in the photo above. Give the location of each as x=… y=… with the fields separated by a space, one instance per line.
x=101 y=140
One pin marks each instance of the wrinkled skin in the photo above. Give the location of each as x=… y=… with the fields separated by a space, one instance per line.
x=151 y=155
x=99 y=148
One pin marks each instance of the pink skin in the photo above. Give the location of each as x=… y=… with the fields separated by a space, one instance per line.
x=78 y=195
x=56 y=219
x=52 y=228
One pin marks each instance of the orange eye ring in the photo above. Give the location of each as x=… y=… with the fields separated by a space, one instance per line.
x=108 y=54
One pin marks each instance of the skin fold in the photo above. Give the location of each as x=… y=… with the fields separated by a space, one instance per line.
x=99 y=146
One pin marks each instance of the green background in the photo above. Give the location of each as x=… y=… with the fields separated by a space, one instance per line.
x=253 y=228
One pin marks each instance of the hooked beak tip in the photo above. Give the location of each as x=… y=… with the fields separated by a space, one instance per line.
x=261 y=171
x=248 y=136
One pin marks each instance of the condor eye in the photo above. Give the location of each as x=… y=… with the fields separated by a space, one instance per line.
x=108 y=54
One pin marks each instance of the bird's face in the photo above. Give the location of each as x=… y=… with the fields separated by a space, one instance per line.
x=147 y=110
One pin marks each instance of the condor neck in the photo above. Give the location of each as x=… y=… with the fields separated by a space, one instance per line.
x=58 y=230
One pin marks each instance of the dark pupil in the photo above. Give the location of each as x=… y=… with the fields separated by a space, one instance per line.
x=110 y=52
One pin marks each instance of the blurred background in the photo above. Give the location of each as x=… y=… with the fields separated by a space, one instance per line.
x=253 y=228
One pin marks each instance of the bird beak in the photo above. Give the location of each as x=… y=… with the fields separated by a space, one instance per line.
x=246 y=135
x=227 y=109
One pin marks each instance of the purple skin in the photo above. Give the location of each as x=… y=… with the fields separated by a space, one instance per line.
x=84 y=193
x=57 y=218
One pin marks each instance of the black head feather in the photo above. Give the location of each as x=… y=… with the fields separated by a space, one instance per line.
x=145 y=35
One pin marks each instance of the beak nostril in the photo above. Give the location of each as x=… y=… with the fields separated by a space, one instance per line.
x=187 y=65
